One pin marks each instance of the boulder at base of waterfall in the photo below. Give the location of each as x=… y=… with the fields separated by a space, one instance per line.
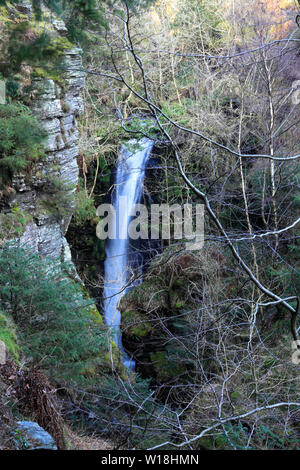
x=36 y=437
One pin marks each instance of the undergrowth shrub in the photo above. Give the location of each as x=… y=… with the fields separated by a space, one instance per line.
x=21 y=138
x=84 y=208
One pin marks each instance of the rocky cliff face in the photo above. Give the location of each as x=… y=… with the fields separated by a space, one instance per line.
x=48 y=194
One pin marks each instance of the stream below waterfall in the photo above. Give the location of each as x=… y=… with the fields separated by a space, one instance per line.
x=123 y=262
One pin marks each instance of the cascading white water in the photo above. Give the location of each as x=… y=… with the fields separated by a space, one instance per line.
x=120 y=257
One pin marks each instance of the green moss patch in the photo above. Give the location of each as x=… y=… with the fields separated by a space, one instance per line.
x=8 y=335
x=13 y=224
x=135 y=324
x=165 y=368
x=148 y=294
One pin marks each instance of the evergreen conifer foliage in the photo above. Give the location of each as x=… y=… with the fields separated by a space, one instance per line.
x=60 y=330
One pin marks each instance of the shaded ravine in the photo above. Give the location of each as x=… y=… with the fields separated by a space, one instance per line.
x=121 y=258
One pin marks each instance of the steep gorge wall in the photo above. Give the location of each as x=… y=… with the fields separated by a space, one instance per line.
x=47 y=194
x=58 y=109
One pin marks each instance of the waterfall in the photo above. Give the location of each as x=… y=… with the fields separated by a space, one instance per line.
x=121 y=258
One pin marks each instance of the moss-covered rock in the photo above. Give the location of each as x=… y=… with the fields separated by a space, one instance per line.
x=161 y=308
x=135 y=324
x=149 y=295
x=14 y=223
x=166 y=367
x=94 y=313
